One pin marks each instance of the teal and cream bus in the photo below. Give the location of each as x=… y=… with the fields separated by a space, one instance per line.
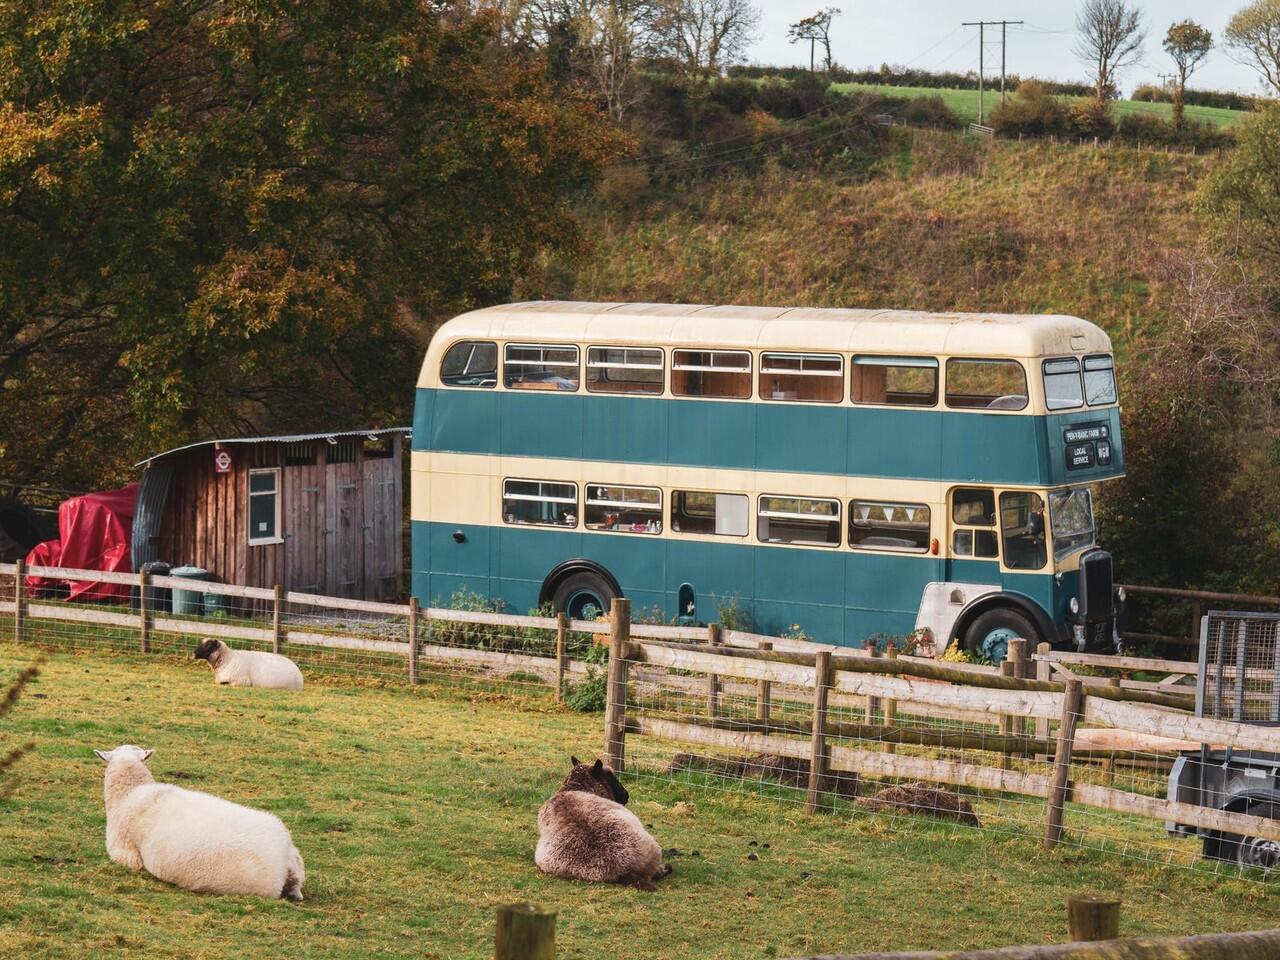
x=852 y=472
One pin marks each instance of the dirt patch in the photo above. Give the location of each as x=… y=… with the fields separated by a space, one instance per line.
x=922 y=798
x=788 y=771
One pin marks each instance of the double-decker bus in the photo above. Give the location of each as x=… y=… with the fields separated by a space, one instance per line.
x=851 y=473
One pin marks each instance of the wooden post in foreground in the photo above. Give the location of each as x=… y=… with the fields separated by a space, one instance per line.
x=713 y=681
x=1072 y=706
x=413 y=640
x=818 y=741
x=890 y=705
x=562 y=660
x=1044 y=671
x=615 y=711
x=764 y=690
x=144 y=612
x=1109 y=762
x=525 y=933
x=19 y=601
x=1017 y=655
x=1007 y=669
x=873 y=703
x=1091 y=917
x=277 y=619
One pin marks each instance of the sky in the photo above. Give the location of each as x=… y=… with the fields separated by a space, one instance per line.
x=927 y=34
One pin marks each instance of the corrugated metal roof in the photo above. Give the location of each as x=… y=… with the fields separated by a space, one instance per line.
x=286 y=438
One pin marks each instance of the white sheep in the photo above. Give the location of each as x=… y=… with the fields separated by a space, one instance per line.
x=194 y=840
x=249 y=668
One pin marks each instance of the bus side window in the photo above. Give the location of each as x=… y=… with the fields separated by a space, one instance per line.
x=973 y=514
x=799 y=520
x=540 y=366
x=720 y=374
x=810 y=377
x=720 y=514
x=986 y=384
x=895 y=381
x=540 y=502
x=470 y=363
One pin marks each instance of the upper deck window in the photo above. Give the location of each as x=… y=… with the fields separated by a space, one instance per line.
x=1062 y=389
x=896 y=381
x=721 y=374
x=1099 y=380
x=799 y=520
x=624 y=370
x=541 y=366
x=624 y=509
x=812 y=377
x=470 y=363
x=986 y=384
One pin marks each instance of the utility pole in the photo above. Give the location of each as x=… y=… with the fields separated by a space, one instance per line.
x=982 y=49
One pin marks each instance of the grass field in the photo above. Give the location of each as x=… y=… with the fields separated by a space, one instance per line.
x=965 y=103
x=415 y=811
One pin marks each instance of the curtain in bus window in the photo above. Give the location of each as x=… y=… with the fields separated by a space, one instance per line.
x=721 y=514
x=897 y=381
x=624 y=370
x=1062 y=387
x=986 y=384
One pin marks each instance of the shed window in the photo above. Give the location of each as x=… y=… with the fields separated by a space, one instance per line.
x=986 y=384
x=300 y=455
x=895 y=381
x=541 y=366
x=1062 y=389
x=540 y=502
x=720 y=374
x=624 y=370
x=264 y=506
x=470 y=363
x=799 y=520
x=812 y=377
x=623 y=509
x=878 y=525
x=1099 y=380
x=721 y=514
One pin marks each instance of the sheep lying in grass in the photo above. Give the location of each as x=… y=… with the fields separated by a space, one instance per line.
x=249 y=668
x=585 y=833
x=191 y=839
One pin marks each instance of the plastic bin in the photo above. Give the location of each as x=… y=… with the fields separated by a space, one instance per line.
x=217 y=605
x=159 y=599
x=189 y=603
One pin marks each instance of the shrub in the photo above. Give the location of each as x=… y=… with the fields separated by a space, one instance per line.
x=1147 y=93
x=589 y=695
x=931 y=112
x=1147 y=128
x=1092 y=118
x=736 y=94
x=1032 y=112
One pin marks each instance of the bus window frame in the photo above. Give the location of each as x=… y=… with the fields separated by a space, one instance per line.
x=676 y=531
x=878 y=548
x=802 y=355
x=837 y=518
x=750 y=371
x=577 y=503
x=625 y=347
x=658 y=508
x=474 y=342
x=1044 y=383
x=919 y=361
x=954 y=526
x=962 y=358
x=542 y=345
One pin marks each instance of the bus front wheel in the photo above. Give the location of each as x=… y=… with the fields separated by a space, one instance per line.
x=583 y=596
x=989 y=634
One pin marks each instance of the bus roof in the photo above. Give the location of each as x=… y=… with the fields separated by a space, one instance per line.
x=780 y=328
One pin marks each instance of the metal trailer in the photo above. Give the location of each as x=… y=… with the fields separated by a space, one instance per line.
x=1239 y=680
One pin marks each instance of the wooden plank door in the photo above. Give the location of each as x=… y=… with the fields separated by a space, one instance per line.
x=344 y=559
x=304 y=528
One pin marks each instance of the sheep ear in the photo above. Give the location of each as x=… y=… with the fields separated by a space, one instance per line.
x=146 y=755
x=104 y=755
x=598 y=766
x=575 y=761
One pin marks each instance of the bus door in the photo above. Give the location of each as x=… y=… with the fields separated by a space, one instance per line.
x=973 y=543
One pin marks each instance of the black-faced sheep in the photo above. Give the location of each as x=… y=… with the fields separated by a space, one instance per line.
x=194 y=840
x=249 y=668
x=585 y=832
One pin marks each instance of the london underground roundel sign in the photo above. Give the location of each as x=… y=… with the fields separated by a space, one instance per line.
x=222 y=461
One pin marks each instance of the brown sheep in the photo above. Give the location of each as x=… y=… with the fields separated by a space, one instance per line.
x=585 y=833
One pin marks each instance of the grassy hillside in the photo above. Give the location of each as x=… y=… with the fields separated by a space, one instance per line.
x=415 y=812
x=965 y=103
x=940 y=223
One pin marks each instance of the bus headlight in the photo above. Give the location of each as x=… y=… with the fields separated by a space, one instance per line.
x=1074 y=605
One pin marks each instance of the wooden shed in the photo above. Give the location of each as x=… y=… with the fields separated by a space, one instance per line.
x=317 y=513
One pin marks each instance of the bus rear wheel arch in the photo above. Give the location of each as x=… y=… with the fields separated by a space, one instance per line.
x=988 y=633
x=583 y=591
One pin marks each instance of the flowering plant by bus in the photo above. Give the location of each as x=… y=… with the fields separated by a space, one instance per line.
x=845 y=473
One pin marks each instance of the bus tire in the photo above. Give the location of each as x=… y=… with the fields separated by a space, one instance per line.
x=584 y=595
x=989 y=634
x=1254 y=852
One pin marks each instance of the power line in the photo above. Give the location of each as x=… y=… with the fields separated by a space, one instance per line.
x=982 y=49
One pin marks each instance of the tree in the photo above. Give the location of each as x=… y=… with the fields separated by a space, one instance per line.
x=1110 y=38
x=222 y=216
x=1188 y=44
x=1253 y=39
x=815 y=29
x=705 y=35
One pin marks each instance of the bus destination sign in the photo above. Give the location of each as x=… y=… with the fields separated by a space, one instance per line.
x=1088 y=446
x=1088 y=431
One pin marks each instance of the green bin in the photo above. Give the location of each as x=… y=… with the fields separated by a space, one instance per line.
x=217 y=605
x=189 y=603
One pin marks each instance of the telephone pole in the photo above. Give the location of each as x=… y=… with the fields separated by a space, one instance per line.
x=982 y=50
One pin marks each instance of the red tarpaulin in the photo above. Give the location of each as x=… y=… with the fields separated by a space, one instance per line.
x=93 y=534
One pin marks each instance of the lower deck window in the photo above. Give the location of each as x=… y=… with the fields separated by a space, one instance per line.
x=540 y=502
x=620 y=509
x=1022 y=527
x=719 y=514
x=798 y=520
x=973 y=513
x=877 y=525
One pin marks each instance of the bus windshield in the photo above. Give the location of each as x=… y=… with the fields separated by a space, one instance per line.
x=1071 y=512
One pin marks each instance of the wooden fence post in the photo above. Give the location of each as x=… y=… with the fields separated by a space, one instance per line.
x=714 y=685
x=1007 y=669
x=891 y=705
x=19 y=601
x=615 y=711
x=1195 y=621
x=818 y=741
x=144 y=612
x=873 y=703
x=414 y=609
x=277 y=619
x=764 y=690
x=562 y=660
x=1109 y=762
x=1091 y=917
x=525 y=933
x=1044 y=671
x=1072 y=706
